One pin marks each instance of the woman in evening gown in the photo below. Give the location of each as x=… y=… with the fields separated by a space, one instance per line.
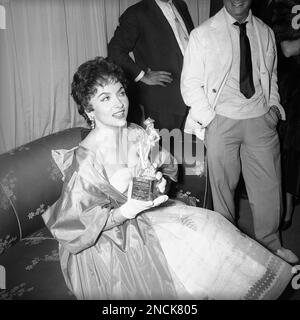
x=112 y=246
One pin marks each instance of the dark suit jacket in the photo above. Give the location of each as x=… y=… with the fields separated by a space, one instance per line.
x=145 y=31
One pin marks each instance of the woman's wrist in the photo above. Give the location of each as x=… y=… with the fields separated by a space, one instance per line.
x=116 y=217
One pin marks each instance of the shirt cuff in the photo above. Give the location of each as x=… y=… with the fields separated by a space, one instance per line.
x=203 y=118
x=140 y=76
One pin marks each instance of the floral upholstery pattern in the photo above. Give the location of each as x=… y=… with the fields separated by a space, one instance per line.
x=37 y=275
x=30 y=182
x=9 y=227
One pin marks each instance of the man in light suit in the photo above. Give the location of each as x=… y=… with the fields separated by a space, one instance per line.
x=229 y=79
x=157 y=32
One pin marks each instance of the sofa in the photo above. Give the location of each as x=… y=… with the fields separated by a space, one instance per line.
x=30 y=182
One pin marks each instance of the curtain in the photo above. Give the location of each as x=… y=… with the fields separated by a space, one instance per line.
x=43 y=44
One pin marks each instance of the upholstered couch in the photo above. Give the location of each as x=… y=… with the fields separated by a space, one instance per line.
x=30 y=182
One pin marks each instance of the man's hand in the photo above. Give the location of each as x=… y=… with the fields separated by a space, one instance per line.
x=157 y=78
x=273 y=116
x=276 y=111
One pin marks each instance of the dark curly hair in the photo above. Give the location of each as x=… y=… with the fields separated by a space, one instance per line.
x=99 y=71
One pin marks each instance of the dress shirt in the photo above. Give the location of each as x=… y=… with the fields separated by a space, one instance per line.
x=170 y=12
x=232 y=103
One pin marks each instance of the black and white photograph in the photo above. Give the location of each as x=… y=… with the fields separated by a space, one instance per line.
x=149 y=153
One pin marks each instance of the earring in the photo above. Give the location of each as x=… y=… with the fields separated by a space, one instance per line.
x=92 y=121
x=93 y=124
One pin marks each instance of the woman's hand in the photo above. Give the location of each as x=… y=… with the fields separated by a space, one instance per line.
x=133 y=207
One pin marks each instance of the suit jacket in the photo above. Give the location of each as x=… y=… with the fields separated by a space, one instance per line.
x=144 y=30
x=208 y=60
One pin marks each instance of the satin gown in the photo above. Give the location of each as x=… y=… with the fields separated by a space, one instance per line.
x=173 y=251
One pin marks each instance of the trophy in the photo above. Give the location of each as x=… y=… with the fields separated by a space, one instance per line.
x=143 y=187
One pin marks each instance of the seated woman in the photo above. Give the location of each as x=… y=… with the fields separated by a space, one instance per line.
x=114 y=247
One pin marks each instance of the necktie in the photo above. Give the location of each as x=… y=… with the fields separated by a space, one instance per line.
x=246 y=76
x=183 y=36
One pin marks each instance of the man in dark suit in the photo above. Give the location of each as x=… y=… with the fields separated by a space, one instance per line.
x=157 y=32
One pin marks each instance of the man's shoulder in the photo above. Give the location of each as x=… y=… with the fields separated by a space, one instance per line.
x=260 y=23
x=143 y=7
x=204 y=26
x=136 y=8
x=215 y=21
x=264 y=30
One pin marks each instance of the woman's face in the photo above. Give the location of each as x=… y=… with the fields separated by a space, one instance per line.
x=110 y=104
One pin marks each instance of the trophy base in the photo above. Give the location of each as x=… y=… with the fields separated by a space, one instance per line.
x=142 y=189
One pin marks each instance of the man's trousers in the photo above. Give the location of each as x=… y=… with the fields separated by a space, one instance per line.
x=250 y=146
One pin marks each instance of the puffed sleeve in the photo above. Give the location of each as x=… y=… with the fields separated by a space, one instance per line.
x=81 y=213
